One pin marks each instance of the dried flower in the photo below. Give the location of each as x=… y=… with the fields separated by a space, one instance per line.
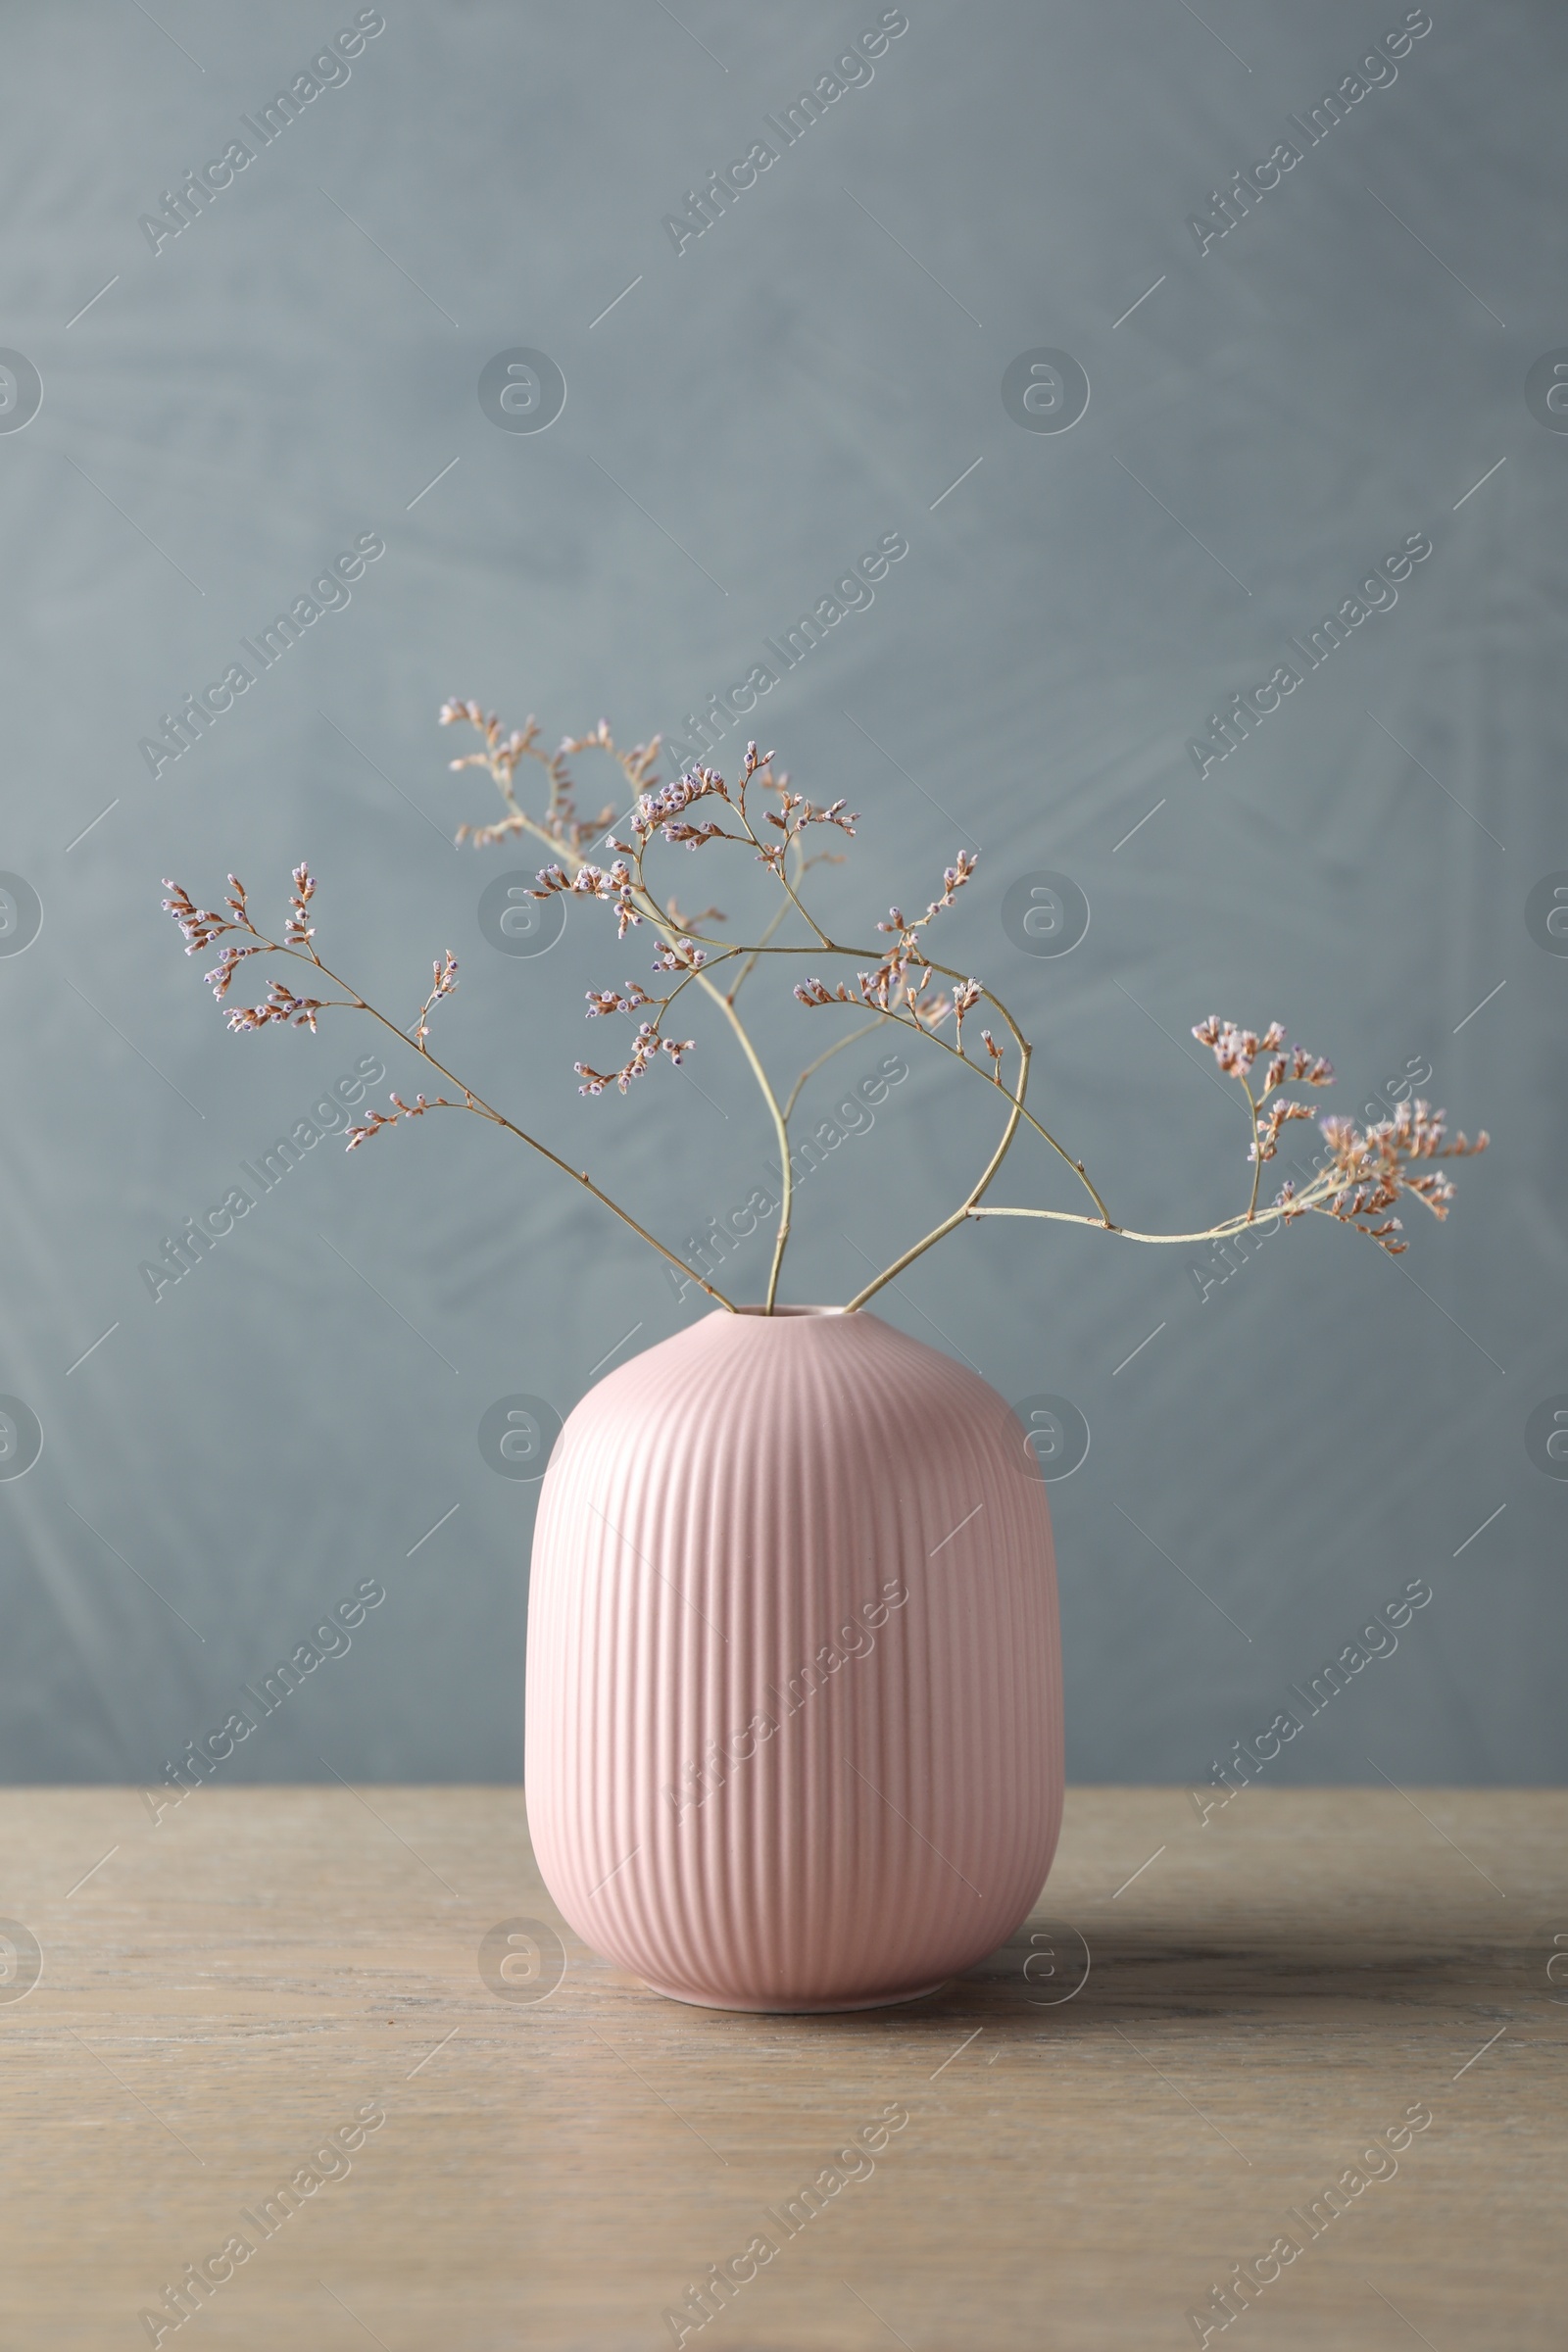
x=965 y=996
x=445 y=980
x=647 y=1046
x=612 y=1000
x=199 y=925
x=279 y=1004
x=560 y=824
x=298 y=930
x=1364 y=1171
x=1369 y=1168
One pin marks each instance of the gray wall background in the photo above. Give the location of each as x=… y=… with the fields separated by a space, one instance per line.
x=815 y=371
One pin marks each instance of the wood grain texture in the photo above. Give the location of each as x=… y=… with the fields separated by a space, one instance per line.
x=1267 y=1996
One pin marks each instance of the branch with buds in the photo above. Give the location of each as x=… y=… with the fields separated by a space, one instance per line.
x=203 y=927
x=1365 y=1172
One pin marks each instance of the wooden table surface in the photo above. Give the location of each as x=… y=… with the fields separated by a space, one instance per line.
x=1270 y=1997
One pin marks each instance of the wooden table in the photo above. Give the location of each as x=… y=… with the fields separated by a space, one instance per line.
x=1268 y=1996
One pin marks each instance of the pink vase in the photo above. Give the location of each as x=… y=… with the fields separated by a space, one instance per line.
x=793 y=1727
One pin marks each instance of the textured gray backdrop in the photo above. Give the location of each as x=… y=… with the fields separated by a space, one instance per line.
x=1285 y=404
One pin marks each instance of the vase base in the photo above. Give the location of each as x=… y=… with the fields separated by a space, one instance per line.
x=880 y=2000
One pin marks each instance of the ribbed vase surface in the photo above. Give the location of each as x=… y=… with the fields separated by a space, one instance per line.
x=794 y=1694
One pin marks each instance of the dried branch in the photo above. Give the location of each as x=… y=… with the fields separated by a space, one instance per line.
x=1365 y=1174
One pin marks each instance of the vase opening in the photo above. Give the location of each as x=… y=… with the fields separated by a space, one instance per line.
x=768 y=1312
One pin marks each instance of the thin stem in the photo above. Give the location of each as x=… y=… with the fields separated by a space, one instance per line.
x=1076 y=1165
x=838 y=1047
x=725 y=1003
x=1311 y=1202
x=784 y=883
x=780 y=1135
x=1253 y=1109
x=660 y=922
x=948 y=971
x=1125 y=1233
x=968 y=1207
x=753 y=954
x=483 y=1109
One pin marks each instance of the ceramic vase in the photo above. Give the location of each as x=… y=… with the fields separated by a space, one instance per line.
x=793 y=1692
